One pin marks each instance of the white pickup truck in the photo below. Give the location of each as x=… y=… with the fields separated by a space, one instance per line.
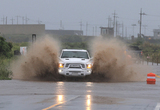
x=75 y=62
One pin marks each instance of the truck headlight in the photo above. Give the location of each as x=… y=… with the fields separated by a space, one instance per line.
x=61 y=65
x=60 y=70
x=89 y=66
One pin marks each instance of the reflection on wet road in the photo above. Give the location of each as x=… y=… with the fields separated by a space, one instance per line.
x=88 y=102
x=28 y=95
x=88 y=97
x=61 y=98
x=60 y=89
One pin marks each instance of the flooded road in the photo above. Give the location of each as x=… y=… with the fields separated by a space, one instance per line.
x=38 y=95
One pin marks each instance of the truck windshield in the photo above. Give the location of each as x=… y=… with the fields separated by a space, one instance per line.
x=74 y=54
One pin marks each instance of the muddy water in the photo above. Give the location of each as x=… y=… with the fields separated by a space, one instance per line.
x=111 y=62
x=40 y=62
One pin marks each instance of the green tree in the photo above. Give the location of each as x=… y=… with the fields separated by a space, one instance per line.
x=5 y=47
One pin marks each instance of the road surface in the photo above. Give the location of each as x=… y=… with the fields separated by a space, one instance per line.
x=38 y=95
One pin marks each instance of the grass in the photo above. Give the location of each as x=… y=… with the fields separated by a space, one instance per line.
x=5 y=72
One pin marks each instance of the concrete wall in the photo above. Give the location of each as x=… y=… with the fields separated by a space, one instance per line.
x=22 y=29
x=64 y=32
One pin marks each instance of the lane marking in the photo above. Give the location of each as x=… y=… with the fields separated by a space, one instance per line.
x=157 y=107
x=59 y=103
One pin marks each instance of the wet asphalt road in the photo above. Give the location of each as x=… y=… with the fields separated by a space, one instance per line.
x=36 y=95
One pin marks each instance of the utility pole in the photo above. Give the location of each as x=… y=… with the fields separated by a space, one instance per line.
x=122 y=29
x=80 y=25
x=116 y=28
x=17 y=19
x=3 y=19
x=140 y=22
x=61 y=25
x=133 y=28
x=144 y=29
x=23 y=20
x=109 y=21
x=126 y=32
x=114 y=22
x=96 y=31
x=12 y=20
x=6 y=20
x=114 y=17
x=86 y=28
x=26 y=20
x=93 y=31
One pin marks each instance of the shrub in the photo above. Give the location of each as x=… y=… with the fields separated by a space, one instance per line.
x=5 y=72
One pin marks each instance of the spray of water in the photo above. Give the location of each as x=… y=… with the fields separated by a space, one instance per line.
x=40 y=62
x=111 y=62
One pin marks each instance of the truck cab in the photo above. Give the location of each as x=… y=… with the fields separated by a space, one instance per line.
x=75 y=62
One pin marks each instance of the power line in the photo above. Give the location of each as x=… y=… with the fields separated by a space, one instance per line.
x=127 y=18
x=153 y=15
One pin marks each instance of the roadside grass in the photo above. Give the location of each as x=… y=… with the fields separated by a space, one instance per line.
x=5 y=72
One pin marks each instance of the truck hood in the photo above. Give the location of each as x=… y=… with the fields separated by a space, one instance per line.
x=74 y=60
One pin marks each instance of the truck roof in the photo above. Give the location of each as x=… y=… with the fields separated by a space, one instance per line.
x=74 y=50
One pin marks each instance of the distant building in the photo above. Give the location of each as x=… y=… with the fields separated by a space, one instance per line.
x=64 y=32
x=156 y=33
x=107 y=31
x=22 y=29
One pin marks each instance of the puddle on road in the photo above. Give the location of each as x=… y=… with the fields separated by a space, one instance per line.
x=106 y=100
x=48 y=100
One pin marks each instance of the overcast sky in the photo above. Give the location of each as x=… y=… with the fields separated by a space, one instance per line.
x=68 y=14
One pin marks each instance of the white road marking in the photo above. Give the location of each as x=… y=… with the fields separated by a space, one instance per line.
x=157 y=107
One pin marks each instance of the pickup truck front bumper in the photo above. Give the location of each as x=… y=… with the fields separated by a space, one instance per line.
x=74 y=72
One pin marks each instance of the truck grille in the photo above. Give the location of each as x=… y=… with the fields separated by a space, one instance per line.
x=75 y=71
x=75 y=65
